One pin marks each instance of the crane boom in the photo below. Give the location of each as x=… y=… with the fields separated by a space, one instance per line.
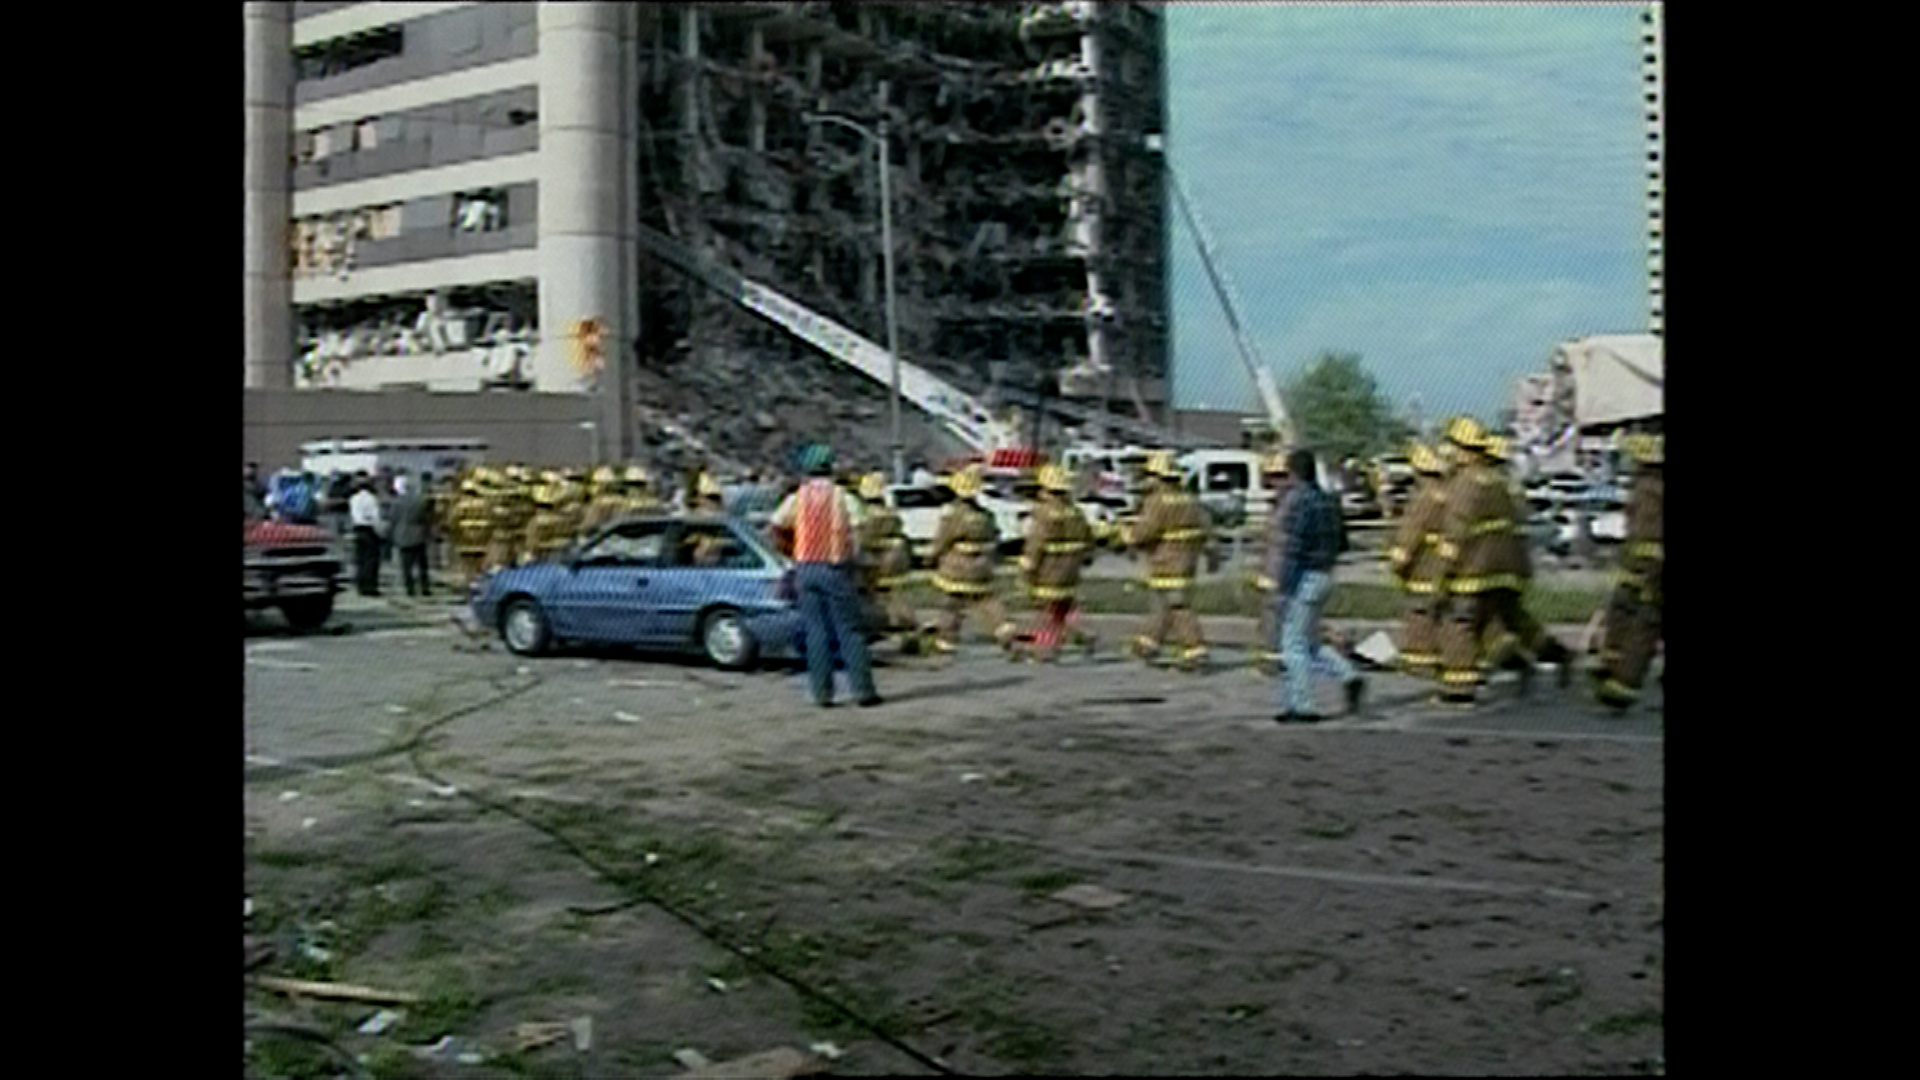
x=1256 y=367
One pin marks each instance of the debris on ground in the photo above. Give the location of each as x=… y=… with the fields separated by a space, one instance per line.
x=828 y=1050
x=582 y=1033
x=972 y=777
x=626 y=717
x=533 y=1036
x=1092 y=897
x=691 y=1059
x=1378 y=649
x=336 y=991
x=782 y=1063
x=719 y=985
x=451 y=1049
x=289 y=796
x=379 y=1022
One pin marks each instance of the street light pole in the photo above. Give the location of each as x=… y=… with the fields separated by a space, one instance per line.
x=879 y=140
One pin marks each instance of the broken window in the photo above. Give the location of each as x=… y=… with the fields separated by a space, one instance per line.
x=366 y=136
x=480 y=211
x=337 y=56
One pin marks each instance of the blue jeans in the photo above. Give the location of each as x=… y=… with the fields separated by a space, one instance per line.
x=830 y=611
x=1300 y=646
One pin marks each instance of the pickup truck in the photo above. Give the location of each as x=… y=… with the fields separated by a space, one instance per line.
x=295 y=568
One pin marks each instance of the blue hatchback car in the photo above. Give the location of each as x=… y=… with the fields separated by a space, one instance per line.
x=706 y=584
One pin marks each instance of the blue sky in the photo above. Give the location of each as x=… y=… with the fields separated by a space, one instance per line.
x=1448 y=191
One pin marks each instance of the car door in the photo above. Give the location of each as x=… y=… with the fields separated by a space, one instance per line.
x=608 y=594
x=684 y=588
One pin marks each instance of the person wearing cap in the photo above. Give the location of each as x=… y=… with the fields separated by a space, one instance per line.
x=1266 y=646
x=1631 y=632
x=470 y=526
x=508 y=510
x=546 y=532
x=886 y=561
x=1172 y=532
x=412 y=531
x=1413 y=559
x=1059 y=543
x=817 y=526
x=1310 y=547
x=963 y=556
x=1476 y=559
x=708 y=549
x=1518 y=640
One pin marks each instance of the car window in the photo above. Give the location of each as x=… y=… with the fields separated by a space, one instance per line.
x=713 y=546
x=1227 y=475
x=921 y=498
x=631 y=545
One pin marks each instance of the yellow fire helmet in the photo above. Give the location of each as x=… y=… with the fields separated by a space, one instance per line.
x=634 y=475
x=873 y=487
x=967 y=482
x=1647 y=449
x=1466 y=431
x=1425 y=460
x=709 y=488
x=1498 y=448
x=1160 y=463
x=1055 y=478
x=604 y=477
x=544 y=494
x=1274 y=465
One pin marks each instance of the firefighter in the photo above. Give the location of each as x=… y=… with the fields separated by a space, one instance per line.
x=1172 y=533
x=507 y=516
x=471 y=526
x=1266 y=646
x=963 y=555
x=546 y=530
x=1632 y=630
x=885 y=561
x=1518 y=639
x=1414 y=560
x=635 y=493
x=603 y=501
x=1059 y=544
x=1476 y=559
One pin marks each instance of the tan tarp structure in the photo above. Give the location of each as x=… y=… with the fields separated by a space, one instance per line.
x=1616 y=378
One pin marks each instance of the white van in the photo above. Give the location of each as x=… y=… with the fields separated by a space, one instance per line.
x=1228 y=480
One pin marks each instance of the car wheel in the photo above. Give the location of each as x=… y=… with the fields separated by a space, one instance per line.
x=725 y=641
x=523 y=626
x=307 y=614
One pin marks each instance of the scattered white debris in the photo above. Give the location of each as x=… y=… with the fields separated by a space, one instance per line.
x=1379 y=649
x=652 y=858
x=255 y=759
x=282 y=665
x=316 y=953
x=308 y=823
x=249 y=907
x=398 y=710
x=417 y=804
x=719 y=986
x=1090 y=896
x=972 y=777
x=523 y=670
x=379 y=1022
x=692 y=1059
x=582 y=1033
x=289 y=796
x=626 y=717
x=827 y=1050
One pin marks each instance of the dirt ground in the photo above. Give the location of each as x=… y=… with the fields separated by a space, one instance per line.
x=1390 y=893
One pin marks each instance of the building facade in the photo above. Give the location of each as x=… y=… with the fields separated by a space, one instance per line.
x=448 y=196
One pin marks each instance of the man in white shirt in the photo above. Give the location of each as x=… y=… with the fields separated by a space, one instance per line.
x=363 y=509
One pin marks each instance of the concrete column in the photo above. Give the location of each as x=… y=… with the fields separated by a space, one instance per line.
x=582 y=198
x=269 y=195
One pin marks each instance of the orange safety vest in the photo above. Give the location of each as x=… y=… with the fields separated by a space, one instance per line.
x=822 y=529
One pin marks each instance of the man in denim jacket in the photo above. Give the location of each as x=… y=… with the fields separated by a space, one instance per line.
x=1310 y=546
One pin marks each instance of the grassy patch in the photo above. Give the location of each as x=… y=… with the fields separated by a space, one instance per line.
x=1331 y=828
x=1349 y=600
x=1630 y=1022
x=973 y=858
x=447 y=1002
x=1048 y=881
x=1022 y=1042
x=282 y=859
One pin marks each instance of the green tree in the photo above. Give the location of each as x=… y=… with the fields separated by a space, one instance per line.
x=1340 y=411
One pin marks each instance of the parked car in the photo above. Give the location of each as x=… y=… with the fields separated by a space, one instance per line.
x=635 y=583
x=295 y=568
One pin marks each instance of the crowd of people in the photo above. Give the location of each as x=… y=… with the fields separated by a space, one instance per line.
x=1460 y=553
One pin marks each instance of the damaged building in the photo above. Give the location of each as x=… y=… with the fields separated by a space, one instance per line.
x=469 y=198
